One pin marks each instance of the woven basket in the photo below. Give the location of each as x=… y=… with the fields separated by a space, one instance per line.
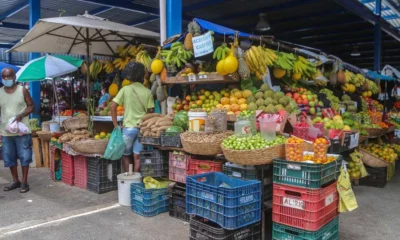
x=362 y=139
x=44 y=136
x=254 y=157
x=76 y=123
x=391 y=128
x=89 y=146
x=375 y=132
x=201 y=148
x=371 y=160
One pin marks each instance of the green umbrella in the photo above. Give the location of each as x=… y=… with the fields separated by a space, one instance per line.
x=48 y=67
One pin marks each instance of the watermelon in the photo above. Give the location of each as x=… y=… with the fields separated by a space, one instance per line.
x=181 y=119
x=174 y=129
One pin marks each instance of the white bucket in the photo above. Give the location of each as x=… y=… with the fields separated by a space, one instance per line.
x=124 y=187
x=55 y=127
x=197 y=121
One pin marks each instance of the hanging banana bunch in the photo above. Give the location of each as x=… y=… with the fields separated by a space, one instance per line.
x=144 y=58
x=95 y=68
x=120 y=63
x=108 y=67
x=177 y=55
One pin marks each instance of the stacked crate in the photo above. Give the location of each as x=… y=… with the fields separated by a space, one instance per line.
x=178 y=166
x=80 y=170
x=67 y=166
x=153 y=163
x=102 y=174
x=377 y=177
x=305 y=200
x=148 y=202
x=177 y=201
x=224 y=207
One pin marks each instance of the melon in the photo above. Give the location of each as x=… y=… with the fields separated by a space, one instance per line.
x=113 y=90
x=156 y=66
x=279 y=73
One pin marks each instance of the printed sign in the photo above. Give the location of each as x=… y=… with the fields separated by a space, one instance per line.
x=294 y=167
x=202 y=45
x=293 y=203
x=329 y=199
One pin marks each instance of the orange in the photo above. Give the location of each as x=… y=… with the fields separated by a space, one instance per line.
x=120 y=108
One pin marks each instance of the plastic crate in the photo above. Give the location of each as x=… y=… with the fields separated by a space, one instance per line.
x=154 y=170
x=178 y=164
x=178 y=212
x=199 y=166
x=102 y=174
x=238 y=171
x=67 y=165
x=149 y=140
x=154 y=156
x=158 y=208
x=55 y=163
x=80 y=169
x=201 y=229
x=329 y=232
x=377 y=177
x=139 y=189
x=391 y=170
x=307 y=209
x=268 y=191
x=148 y=202
x=232 y=203
x=304 y=174
x=171 y=140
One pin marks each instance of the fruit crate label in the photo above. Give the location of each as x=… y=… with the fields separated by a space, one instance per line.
x=329 y=199
x=203 y=45
x=246 y=199
x=208 y=196
x=147 y=160
x=237 y=174
x=293 y=203
x=294 y=167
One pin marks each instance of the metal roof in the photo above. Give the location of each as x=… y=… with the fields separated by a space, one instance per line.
x=333 y=26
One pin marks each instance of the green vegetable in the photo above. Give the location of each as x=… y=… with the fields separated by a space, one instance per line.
x=181 y=120
x=174 y=129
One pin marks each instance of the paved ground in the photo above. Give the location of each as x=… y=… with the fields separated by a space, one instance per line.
x=56 y=211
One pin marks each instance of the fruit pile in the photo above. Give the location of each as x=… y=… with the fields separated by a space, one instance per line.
x=300 y=129
x=107 y=110
x=310 y=157
x=384 y=152
x=251 y=143
x=320 y=150
x=354 y=170
x=102 y=135
x=294 y=149
x=376 y=117
x=307 y=99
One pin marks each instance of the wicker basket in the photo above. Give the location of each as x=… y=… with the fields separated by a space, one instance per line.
x=254 y=157
x=201 y=148
x=362 y=138
x=76 y=123
x=375 y=132
x=89 y=146
x=44 y=136
x=391 y=128
x=371 y=160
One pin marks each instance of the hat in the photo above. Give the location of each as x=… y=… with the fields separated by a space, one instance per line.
x=134 y=72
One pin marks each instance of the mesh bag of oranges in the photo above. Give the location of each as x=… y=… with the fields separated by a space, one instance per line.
x=294 y=149
x=321 y=150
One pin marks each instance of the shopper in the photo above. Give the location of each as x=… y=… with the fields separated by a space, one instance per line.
x=137 y=101
x=105 y=97
x=15 y=99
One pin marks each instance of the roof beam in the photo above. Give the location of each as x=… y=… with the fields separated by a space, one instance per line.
x=100 y=10
x=143 y=21
x=126 y=5
x=362 y=11
x=14 y=26
x=391 y=17
x=14 y=10
x=203 y=4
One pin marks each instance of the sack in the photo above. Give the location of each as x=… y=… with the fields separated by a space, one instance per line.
x=116 y=146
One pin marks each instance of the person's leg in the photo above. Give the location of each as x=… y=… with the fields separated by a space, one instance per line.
x=128 y=139
x=24 y=152
x=9 y=155
x=137 y=148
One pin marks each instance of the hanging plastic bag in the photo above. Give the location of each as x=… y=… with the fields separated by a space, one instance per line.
x=12 y=126
x=347 y=199
x=116 y=145
x=22 y=129
x=357 y=159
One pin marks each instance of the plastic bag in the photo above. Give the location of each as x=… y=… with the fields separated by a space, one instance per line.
x=22 y=129
x=12 y=126
x=116 y=145
x=347 y=198
x=151 y=183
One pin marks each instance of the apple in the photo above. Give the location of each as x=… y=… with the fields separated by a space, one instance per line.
x=320 y=103
x=296 y=96
x=186 y=107
x=185 y=102
x=299 y=101
x=289 y=95
x=309 y=97
x=311 y=103
x=312 y=110
x=188 y=98
x=179 y=107
x=178 y=101
x=305 y=101
x=174 y=105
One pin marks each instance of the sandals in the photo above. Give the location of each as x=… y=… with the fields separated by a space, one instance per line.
x=24 y=188
x=12 y=186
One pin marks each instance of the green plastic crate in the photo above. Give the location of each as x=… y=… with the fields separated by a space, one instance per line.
x=304 y=174
x=328 y=232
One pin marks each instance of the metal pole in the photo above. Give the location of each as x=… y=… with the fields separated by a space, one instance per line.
x=34 y=15
x=378 y=36
x=88 y=64
x=163 y=21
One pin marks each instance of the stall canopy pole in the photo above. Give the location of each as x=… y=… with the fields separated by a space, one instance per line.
x=87 y=63
x=378 y=37
x=34 y=15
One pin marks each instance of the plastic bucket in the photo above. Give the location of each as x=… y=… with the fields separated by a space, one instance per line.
x=124 y=187
x=55 y=127
x=268 y=128
x=197 y=121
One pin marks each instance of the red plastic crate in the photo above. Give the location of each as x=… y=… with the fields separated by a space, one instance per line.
x=178 y=164
x=80 y=170
x=197 y=166
x=67 y=164
x=307 y=209
x=53 y=163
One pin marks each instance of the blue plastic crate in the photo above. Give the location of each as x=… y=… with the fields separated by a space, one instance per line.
x=147 y=194
x=232 y=203
x=142 y=212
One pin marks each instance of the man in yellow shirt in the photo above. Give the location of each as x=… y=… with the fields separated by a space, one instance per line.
x=137 y=101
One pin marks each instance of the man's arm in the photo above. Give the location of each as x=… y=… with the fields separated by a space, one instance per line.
x=30 y=106
x=114 y=106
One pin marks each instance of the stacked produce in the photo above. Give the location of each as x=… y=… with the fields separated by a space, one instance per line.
x=153 y=124
x=384 y=152
x=251 y=143
x=74 y=136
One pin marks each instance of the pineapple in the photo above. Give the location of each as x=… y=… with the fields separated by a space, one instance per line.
x=243 y=69
x=188 y=39
x=160 y=94
x=235 y=76
x=152 y=77
x=196 y=29
x=154 y=88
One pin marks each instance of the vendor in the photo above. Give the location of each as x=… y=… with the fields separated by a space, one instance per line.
x=62 y=103
x=105 y=97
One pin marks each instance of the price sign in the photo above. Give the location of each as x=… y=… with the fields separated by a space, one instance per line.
x=354 y=140
x=192 y=78
x=202 y=45
x=293 y=203
x=329 y=199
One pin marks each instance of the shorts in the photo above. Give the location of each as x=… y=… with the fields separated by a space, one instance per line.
x=131 y=141
x=17 y=147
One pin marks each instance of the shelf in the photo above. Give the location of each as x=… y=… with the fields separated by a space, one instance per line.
x=200 y=79
x=168 y=148
x=105 y=118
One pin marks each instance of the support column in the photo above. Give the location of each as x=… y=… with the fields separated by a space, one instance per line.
x=378 y=37
x=174 y=17
x=34 y=15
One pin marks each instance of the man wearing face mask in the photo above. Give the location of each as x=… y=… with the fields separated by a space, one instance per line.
x=15 y=100
x=105 y=97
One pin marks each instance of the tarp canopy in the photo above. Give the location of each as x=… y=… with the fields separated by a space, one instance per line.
x=391 y=71
x=220 y=29
x=375 y=75
x=6 y=65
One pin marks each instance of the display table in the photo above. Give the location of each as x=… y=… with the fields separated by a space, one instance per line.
x=104 y=124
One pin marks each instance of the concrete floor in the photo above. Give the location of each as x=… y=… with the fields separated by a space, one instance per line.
x=53 y=210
